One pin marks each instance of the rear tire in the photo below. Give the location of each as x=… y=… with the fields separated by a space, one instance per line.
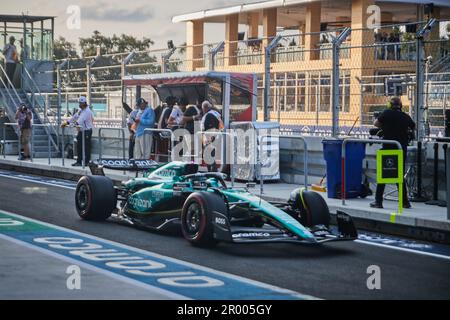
x=95 y=198
x=196 y=218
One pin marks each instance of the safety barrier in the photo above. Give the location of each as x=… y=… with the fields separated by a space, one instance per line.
x=172 y=139
x=49 y=152
x=83 y=147
x=223 y=154
x=100 y=138
x=305 y=158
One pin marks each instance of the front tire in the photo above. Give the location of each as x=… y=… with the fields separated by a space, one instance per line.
x=313 y=208
x=95 y=198
x=196 y=218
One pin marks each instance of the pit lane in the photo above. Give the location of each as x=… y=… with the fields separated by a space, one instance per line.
x=332 y=271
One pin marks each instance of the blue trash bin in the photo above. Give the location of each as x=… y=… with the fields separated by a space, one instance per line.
x=355 y=154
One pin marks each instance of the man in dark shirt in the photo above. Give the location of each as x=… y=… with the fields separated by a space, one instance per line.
x=191 y=114
x=395 y=125
x=211 y=121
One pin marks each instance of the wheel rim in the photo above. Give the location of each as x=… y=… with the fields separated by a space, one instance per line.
x=82 y=197
x=193 y=218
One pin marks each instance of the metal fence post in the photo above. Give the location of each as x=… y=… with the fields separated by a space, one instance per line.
x=62 y=147
x=267 y=54
x=83 y=148
x=32 y=143
x=335 y=81
x=213 y=53
x=447 y=165
x=420 y=79
x=88 y=82
x=58 y=109
x=4 y=141
x=49 y=149
x=165 y=60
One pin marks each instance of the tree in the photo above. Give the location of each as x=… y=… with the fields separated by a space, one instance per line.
x=112 y=52
x=63 y=49
x=114 y=44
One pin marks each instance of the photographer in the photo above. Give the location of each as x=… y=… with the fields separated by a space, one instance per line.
x=395 y=125
x=24 y=119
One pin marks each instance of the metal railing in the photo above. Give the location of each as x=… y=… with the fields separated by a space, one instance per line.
x=4 y=137
x=49 y=149
x=172 y=140
x=34 y=90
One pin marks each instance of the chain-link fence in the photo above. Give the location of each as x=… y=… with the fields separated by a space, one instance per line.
x=374 y=64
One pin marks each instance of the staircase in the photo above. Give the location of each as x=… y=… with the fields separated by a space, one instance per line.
x=441 y=65
x=12 y=99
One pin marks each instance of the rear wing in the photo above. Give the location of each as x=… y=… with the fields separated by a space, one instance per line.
x=122 y=165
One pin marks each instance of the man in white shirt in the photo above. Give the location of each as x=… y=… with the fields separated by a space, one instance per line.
x=83 y=121
x=11 y=59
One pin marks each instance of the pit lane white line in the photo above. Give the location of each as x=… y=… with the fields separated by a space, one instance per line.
x=156 y=255
x=36 y=181
x=110 y=274
x=429 y=254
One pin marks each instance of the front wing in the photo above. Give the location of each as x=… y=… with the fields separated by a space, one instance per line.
x=224 y=231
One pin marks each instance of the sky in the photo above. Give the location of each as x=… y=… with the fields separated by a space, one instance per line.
x=149 y=18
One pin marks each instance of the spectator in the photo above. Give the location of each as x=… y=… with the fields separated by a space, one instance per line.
x=24 y=118
x=166 y=112
x=131 y=124
x=11 y=59
x=163 y=137
x=395 y=125
x=25 y=51
x=158 y=111
x=83 y=120
x=191 y=114
x=391 y=47
x=211 y=121
x=384 y=39
x=176 y=116
x=397 y=46
x=145 y=119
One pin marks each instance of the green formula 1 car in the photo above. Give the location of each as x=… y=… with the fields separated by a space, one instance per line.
x=206 y=210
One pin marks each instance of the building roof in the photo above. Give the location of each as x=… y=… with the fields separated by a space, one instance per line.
x=247 y=7
x=21 y=18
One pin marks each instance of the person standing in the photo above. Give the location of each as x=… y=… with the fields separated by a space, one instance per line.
x=176 y=116
x=11 y=59
x=24 y=52
x=83 y=120
x=144 y=120
x=164 y=137
x=211 y=121
x=24 y=118
x=132 y=126
x=191 y=113
x=395 y=125
x=166 y=112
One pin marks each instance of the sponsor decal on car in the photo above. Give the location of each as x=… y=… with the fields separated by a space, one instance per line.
x=140 y=203
x=251 y=235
